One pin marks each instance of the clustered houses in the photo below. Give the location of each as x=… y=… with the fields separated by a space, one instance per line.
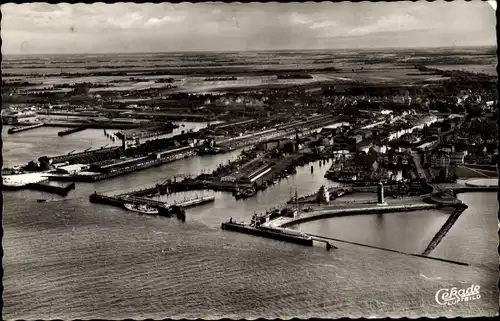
x=393 y=133
x=385 y=121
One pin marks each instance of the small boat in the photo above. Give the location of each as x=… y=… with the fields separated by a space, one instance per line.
x=141 y=208
x=238 y=194
x=249 y=192
x=43 y=200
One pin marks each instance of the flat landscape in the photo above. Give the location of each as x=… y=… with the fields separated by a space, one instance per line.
x=190 y=72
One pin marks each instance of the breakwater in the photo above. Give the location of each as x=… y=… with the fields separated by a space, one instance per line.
x=389 y=250
x=445 y=228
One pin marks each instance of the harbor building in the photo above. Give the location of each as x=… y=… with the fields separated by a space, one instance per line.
x=19 y=118
x=323 y=196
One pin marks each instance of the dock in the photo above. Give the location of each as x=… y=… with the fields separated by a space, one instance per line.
x=19 y=129
x=72 y=130
x=196 y=201
x=122 y=199
x=129 y=169
x=61 y=188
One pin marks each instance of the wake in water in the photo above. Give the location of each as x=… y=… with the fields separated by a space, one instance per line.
x=428 y=278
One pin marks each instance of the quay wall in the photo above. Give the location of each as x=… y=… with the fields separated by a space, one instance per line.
x=126 y=170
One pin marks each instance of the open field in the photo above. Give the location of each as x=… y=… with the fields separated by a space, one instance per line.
x=252 y=69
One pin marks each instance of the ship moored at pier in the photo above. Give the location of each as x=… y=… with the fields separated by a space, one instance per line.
x=141 y=208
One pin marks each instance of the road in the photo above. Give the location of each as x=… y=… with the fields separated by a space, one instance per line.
x=420 y=170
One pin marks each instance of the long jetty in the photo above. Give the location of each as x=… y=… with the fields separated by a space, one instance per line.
x=386 y=249
x=72 y=130
x=24 y=128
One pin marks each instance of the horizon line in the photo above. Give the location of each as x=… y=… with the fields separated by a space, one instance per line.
x=249 y=50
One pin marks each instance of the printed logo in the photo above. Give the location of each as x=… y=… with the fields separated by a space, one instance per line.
x=453 y=296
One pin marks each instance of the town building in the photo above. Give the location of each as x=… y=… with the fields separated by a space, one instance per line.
x=457 y=158
x=440 y=160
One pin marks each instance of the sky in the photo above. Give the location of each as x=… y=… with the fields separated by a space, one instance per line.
x=36 y=28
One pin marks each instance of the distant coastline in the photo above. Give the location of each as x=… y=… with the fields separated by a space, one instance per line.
x=491 y=47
